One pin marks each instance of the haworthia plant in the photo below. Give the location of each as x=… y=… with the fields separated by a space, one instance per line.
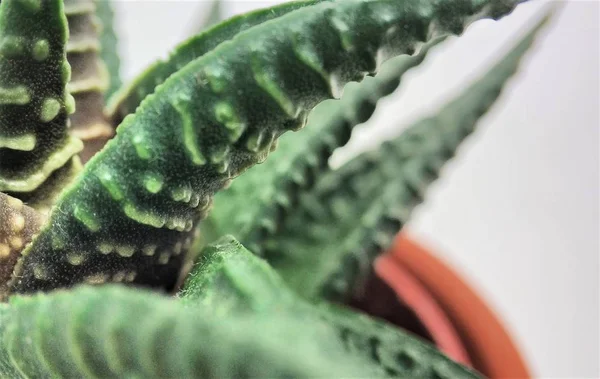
x=185 y=128
x=239 y=97
x=230 y=279
x=353 y=213
x=270 y=191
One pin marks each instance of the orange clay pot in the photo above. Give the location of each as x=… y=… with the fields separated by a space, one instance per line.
x=450 y=312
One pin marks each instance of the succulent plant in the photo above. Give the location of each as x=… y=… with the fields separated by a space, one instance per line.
x=177 y=142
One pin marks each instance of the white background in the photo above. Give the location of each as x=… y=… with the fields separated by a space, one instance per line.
x=517 y=211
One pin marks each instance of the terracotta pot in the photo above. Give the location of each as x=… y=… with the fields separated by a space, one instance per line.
x=449 y=311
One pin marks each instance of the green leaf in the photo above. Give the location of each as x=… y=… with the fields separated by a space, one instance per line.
x=135 y=206
x=89 y=78
x=7 y=370
x=269 y=192
x=400 y=354
x=34 y=105
x=114 y=332
x=326 y=247
x=228 y=279
x=18 y=224
x=255 y=205
x=109 y=44
x=128 y=98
